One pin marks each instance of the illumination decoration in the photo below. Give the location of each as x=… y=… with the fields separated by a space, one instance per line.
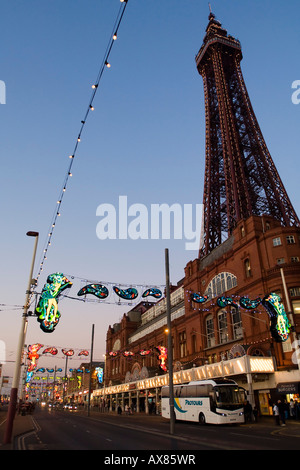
x=50 y=350
x=68 y=352
x=128 y=353
x=127 y=294
x=153 y=292
x=224 y=301
x=28 y=377
x=162 y=357
x=145 y=352
x=113 y=353
x=98 y=290
x=279 y=324
x=33 y=356
x=84 y=352
x=249 y=304
x=41 y=369
x=47 y=309
x=99 y=372
x=199 y=298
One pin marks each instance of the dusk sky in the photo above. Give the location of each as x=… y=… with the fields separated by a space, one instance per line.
x=145 y=139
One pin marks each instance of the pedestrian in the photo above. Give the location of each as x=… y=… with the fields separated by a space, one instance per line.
x=119 y=410
x=255 y=414
x=292 y=409
x=297 y=406
x=248 y=411
x=286 y=410
x=281 y=412
x=276 y=414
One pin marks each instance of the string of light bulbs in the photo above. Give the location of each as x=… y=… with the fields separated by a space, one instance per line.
x=105 y=64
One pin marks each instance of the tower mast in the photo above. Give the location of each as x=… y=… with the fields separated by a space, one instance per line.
x=241 y=179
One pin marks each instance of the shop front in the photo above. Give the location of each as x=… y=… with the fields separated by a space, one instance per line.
x=255 y=374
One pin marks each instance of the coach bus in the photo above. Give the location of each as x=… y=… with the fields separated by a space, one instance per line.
x=217 y=401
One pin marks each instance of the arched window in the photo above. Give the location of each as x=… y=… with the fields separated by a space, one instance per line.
x=236 y=323
x=220 y=284
x=222 y=322
x=247 y=267
x=210 y=332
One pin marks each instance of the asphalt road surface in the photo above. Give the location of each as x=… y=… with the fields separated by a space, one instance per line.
x=71 y=430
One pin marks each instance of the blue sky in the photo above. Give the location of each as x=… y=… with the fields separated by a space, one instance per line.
x=145 y=138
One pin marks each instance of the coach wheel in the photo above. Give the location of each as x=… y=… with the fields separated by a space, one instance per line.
x=201 y=418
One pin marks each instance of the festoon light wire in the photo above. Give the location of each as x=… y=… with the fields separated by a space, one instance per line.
x=104 y=64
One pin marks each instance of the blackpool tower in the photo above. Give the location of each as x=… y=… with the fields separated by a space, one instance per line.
x=241 y=179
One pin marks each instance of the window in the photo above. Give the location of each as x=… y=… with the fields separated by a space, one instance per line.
x=295 y=291
x=290 y=239
x=223 y=332
x=194 y=344
x=295 y=259
x=296 y=306
x=182 y=344
x=210 y=331
x=276 y=241
x=236 y=323
x=280 y=260
x=247 y=267
x=220 y=284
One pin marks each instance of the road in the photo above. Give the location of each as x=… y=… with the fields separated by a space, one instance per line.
x=71 y=430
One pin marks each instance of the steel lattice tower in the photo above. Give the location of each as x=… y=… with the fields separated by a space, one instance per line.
x=240 y=176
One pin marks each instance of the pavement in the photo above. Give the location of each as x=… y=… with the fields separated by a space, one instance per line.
x=25 y=424
x=21 y=425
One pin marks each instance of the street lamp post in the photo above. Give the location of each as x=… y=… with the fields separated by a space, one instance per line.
x=170 y=346
x=17 y=373
x=91 y=365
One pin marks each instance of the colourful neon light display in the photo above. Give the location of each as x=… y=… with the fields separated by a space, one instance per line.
x=249 y=304
x=84 y=352
x=162 y=357
x=99 y=372
x=33 y=356
x=98 y=290
x=224 y=301
x=127 y=294
x=199 y=298
x=153 y=292
x=279 y=324
x=50 y=350
x=68 y=352
x=47 y=308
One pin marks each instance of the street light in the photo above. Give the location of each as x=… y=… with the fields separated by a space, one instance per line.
x=170 y=346
x=17 y=373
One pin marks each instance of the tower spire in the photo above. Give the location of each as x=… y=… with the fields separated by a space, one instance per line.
x=211 y=14
x=241 y=179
